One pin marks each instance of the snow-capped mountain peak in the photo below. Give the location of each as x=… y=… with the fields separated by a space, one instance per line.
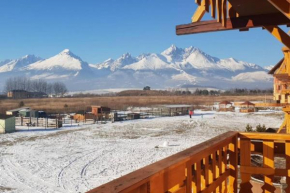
x=65 y=60
x=9 y=65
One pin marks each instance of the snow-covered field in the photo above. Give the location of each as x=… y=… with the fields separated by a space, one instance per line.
x=80 y=158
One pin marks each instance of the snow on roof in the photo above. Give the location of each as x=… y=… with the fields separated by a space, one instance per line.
x=18 y=109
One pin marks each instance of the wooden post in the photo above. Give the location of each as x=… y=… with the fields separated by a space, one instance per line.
x=245 y=152
x=268 y=162
x=287 y=153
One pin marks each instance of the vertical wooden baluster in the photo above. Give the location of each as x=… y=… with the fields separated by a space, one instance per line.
x=194 y=183
x=202 y=178
x=219 y=10
x=206 y=170
x=245 y=155
x=214 y=167
x=233 y=153
x=268 y=154
x=287 y=153
x=144 y=188
x=225 y=185
x=213 y=7
x=218 y=171
x=224 y=13
x=210 y=171
x=198 y=176
x=189 y=177
x=207 y=5
x=220 y=167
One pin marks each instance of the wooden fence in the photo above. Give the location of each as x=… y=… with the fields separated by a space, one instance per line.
x=212 y=166
x=38 y=122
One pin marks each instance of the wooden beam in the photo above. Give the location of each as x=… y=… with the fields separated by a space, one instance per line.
x=282 y=5
x=233 y=24
x=199 y=13
x=279 y=34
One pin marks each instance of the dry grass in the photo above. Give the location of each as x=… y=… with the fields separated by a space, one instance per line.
x=56 y=105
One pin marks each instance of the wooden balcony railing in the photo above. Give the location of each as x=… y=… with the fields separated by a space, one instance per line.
x=211 y=166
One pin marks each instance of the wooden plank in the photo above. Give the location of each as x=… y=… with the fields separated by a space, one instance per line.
x=189 y=177
x=282 y=5
x=219 y=10
x=287 y=153
x=224 y=12
x=265 y=136
x=253 y=21
x=233 y=165
x=206 y=170
x=245 y=156
x=263 y=171
x=213 y=8
x=279 y=34
x=224 y=168
x=219 y=169
x=206 y=4
x=198 y=176
x=199 y=13
x=214 y=167
x=268 y=162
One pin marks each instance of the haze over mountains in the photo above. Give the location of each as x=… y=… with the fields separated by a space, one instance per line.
x=174 y=67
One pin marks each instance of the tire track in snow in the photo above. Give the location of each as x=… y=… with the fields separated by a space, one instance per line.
x=63 y=184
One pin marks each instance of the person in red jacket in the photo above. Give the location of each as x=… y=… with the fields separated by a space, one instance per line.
x=190 y=113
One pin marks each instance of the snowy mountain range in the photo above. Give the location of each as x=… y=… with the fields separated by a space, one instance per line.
x=174 y=67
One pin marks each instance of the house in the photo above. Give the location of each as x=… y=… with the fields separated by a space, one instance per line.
x=15 y=112
x=23 y=94
x=147 y=88
x=7 y=123
x=37 y=95
x=18 y=94
x=281 y=80
x=101 y=112
x=226 y=106
x=247 y=107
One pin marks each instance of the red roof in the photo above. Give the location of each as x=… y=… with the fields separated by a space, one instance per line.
x=248 y=103
x=225 y=103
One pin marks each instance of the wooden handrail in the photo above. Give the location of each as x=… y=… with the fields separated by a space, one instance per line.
x=183 y=166
x=211 y=166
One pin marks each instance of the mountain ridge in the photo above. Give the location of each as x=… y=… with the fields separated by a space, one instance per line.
x=173 y=67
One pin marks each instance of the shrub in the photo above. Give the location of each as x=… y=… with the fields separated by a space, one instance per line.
x=260 y=128
x=21 y=104
x=249 y=128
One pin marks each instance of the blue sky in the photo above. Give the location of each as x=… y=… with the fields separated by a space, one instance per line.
x=96 y=30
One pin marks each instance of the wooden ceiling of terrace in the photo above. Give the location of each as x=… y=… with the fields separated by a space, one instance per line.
x=252 y=7
x=237 y=15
